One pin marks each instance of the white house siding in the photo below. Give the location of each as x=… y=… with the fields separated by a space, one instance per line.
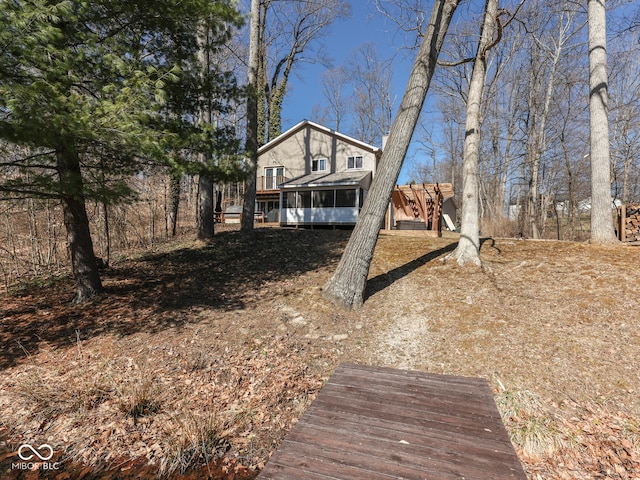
x=320 y=216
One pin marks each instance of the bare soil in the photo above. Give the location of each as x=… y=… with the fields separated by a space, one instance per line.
x=201 y=357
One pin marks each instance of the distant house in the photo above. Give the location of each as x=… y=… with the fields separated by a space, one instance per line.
x=312 y=175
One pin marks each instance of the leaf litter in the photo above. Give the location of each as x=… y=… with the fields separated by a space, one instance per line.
x=203 y=356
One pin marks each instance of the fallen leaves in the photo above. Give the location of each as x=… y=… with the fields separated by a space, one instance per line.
x=200 y=360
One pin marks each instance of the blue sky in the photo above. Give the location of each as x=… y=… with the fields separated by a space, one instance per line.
x=364 y=25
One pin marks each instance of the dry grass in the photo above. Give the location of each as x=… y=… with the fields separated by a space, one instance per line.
x=202 y=357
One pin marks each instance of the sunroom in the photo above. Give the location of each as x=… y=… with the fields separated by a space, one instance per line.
x=323 y=199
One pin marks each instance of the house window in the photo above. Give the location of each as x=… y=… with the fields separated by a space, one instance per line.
x=354 y=162
x=319 y=165
x=346 y=198
x=272 y=177
x=289 y=199
x=304 y=199
x=323 y=199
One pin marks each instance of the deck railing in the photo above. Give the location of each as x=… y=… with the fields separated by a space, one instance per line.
x=269 y=183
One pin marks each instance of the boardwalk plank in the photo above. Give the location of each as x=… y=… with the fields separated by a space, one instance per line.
x=441 y=420
x=365 y=464
x=378 y=423
x=490 y=452
x=414 y=401
x=379 y=452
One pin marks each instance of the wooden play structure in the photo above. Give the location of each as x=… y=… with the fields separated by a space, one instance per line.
x=420 y=207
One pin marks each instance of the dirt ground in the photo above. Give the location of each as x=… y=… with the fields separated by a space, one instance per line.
x=200 y=358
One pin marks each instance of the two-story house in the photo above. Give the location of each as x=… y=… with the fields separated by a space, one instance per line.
x=312 y=175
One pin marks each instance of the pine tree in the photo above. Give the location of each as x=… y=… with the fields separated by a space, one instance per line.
x=85 y=88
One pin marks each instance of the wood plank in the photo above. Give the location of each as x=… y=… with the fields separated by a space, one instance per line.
x=377 y=451
x=375 y=427
x=416 y=398
x=375 y=423
x=347 y=464
x=479 y=427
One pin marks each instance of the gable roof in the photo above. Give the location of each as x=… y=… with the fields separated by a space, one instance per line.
x=308 y=124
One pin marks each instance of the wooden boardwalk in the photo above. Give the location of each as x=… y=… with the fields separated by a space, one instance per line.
x=372 y=423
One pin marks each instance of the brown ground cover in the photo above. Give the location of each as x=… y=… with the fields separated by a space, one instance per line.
x=201 y=357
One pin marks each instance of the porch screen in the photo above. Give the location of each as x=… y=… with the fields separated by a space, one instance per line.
x=304 y=199
x=346 y=198
x=323 y=198
x=289 y=199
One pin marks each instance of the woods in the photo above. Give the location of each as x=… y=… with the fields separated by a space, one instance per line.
x=142 y=336
x=534 y=170
x=111 y=92
x=169 y=104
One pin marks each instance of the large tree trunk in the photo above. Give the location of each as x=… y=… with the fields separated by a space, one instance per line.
x=468 y=249
x=76 y=222
x=251 y=145
x=206 y=215
x=601 y=219
x=205 y=208
x=346 y=287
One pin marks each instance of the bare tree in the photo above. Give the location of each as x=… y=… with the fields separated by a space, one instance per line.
x=175 y=189
x=601 y=203
x=288 y=31
x=251 y=145
x=625 y=115
x=549 y=50
x=371 y=101
x=468 y=249
x=501 y=123
x=346 y=287
x=335 y=106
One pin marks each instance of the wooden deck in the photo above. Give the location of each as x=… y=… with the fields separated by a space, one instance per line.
x=372 y=423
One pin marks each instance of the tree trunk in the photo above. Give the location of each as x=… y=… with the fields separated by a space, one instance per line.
x=205 y=208
x=468 y=249
x=346 y=287
x=76 y=222
x=107 y=233
x=251 y=145
x=601 y=218
x=206 y=215
x=537 y=145
x=275 y=109
x=175 y=186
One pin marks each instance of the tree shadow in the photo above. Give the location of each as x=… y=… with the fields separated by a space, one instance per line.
x=165 y=290
x=384 y=280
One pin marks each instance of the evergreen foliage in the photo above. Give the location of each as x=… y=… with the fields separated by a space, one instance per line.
x=92 y=92
x=118 y=82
